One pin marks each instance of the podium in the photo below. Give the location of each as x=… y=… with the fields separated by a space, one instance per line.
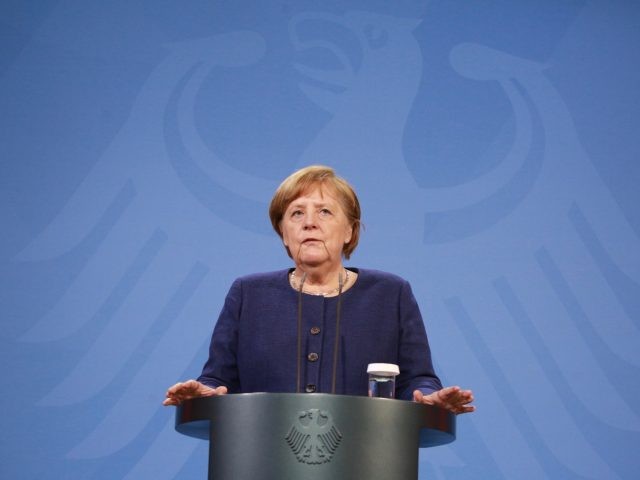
x=286 y=436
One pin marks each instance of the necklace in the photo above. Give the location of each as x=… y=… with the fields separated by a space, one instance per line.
x=296 y=285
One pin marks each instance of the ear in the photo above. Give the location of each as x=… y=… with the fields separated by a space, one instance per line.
x=349 y=234
x=282 y=235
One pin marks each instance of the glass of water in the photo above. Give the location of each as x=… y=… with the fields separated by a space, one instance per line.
x=382 y=379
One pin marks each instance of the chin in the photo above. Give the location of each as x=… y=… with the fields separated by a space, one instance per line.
x=313 y=260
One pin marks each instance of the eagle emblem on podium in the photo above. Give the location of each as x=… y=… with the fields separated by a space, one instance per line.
x=314 y=438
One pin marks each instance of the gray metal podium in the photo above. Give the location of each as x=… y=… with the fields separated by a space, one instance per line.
x=287 y=436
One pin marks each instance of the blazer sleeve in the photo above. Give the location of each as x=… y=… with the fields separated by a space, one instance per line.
x=221 y=368
x=416 y=367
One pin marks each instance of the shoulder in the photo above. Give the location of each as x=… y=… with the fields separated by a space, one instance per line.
x=377 y=277
x=262 y=280
x=273 y=285
x=379 y=283
x=380 y=292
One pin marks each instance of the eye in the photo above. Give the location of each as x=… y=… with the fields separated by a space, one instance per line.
x=325 y=212
x=296 y=214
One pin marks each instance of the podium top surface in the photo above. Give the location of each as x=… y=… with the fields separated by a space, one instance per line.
x=201 y=417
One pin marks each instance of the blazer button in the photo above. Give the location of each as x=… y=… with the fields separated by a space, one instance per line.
x=312 y=357
x=310 y=388
x=315 y=330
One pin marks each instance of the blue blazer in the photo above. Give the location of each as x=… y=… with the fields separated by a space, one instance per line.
x=254 y=343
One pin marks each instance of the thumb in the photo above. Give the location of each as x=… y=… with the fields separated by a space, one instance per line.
x=417 y=395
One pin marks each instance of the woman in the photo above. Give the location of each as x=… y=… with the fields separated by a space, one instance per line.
x=316 y=327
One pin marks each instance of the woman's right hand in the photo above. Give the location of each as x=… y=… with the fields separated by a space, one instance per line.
x=190 y=389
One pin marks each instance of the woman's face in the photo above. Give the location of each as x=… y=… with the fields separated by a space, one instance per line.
x=315 y=228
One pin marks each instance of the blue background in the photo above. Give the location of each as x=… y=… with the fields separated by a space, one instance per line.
x=493 y=144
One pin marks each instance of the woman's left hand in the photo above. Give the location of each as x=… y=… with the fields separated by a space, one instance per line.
x=453 y=399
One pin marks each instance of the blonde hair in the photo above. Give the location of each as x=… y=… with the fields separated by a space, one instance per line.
x=302 y=181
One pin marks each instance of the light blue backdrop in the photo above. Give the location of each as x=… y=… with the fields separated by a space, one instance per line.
x=494 y=146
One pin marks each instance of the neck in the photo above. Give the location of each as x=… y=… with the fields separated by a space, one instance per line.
x=320 y=276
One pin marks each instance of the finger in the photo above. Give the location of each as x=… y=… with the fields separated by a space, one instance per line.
x=453 y=399
x=174 y=388
x=463 y=398
x=460 y=397
x=466 y=409
x=418 y=396
x=188 y=385
x=206 y=391
x=456 y=399
x=447 y=392
x=465 y=393
x=430 y=399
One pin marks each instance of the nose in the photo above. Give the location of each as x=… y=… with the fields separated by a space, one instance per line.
x=310 y=222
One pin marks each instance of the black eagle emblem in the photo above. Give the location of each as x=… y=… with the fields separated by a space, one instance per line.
x=314 y=438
